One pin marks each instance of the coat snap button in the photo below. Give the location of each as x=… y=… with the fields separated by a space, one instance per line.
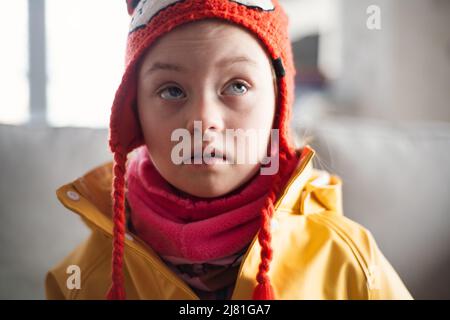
x=73 y=195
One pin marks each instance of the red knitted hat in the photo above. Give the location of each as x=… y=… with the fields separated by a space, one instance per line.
x=150 y=20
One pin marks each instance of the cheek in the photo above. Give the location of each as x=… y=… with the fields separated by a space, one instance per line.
x=262 y=112
x=265 y=104
x=257 y=124
x=156 y=131
x=263 y=120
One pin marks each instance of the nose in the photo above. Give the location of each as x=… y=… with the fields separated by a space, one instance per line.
x=207 y=109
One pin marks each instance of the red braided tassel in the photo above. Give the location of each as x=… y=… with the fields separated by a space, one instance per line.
x=115 y=294
x=117 y=290
x=263 y=291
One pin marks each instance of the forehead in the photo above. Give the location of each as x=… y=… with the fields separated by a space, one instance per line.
x=206 y=44
x=147 y=9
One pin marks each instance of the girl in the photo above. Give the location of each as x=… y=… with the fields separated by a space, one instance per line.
x=184 y=217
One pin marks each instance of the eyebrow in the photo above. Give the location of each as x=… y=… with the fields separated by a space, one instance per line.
x=177 y=68
x=165 y=66
x=233 y=60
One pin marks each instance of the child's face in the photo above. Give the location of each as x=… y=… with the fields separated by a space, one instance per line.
x=185 y=77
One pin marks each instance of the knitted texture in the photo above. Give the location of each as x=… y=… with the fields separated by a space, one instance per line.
x=270 y=27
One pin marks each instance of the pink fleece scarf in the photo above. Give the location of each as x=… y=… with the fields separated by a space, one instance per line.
x=188 y=228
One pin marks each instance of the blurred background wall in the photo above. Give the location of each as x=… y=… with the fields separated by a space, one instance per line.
x=372 y=99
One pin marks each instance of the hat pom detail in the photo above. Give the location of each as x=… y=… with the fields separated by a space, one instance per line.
x=131 y=5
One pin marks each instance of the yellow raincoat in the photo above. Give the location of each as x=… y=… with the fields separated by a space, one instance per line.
x=317 y=252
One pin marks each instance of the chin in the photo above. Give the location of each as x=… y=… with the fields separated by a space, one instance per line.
x=209 y=195
x=204 y=190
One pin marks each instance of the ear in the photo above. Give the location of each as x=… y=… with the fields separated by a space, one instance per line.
x=131 y=5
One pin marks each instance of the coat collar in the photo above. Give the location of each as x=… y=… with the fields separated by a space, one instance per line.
x=89 y=196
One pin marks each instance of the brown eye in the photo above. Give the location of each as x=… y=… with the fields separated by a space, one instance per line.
x=172 y=93
x=237 y=88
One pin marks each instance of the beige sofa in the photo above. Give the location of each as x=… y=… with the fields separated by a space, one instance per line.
x=396 y=183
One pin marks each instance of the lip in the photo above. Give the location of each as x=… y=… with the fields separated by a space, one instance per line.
x=217 y=157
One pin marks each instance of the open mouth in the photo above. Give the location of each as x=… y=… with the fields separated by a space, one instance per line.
x=215 y=156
